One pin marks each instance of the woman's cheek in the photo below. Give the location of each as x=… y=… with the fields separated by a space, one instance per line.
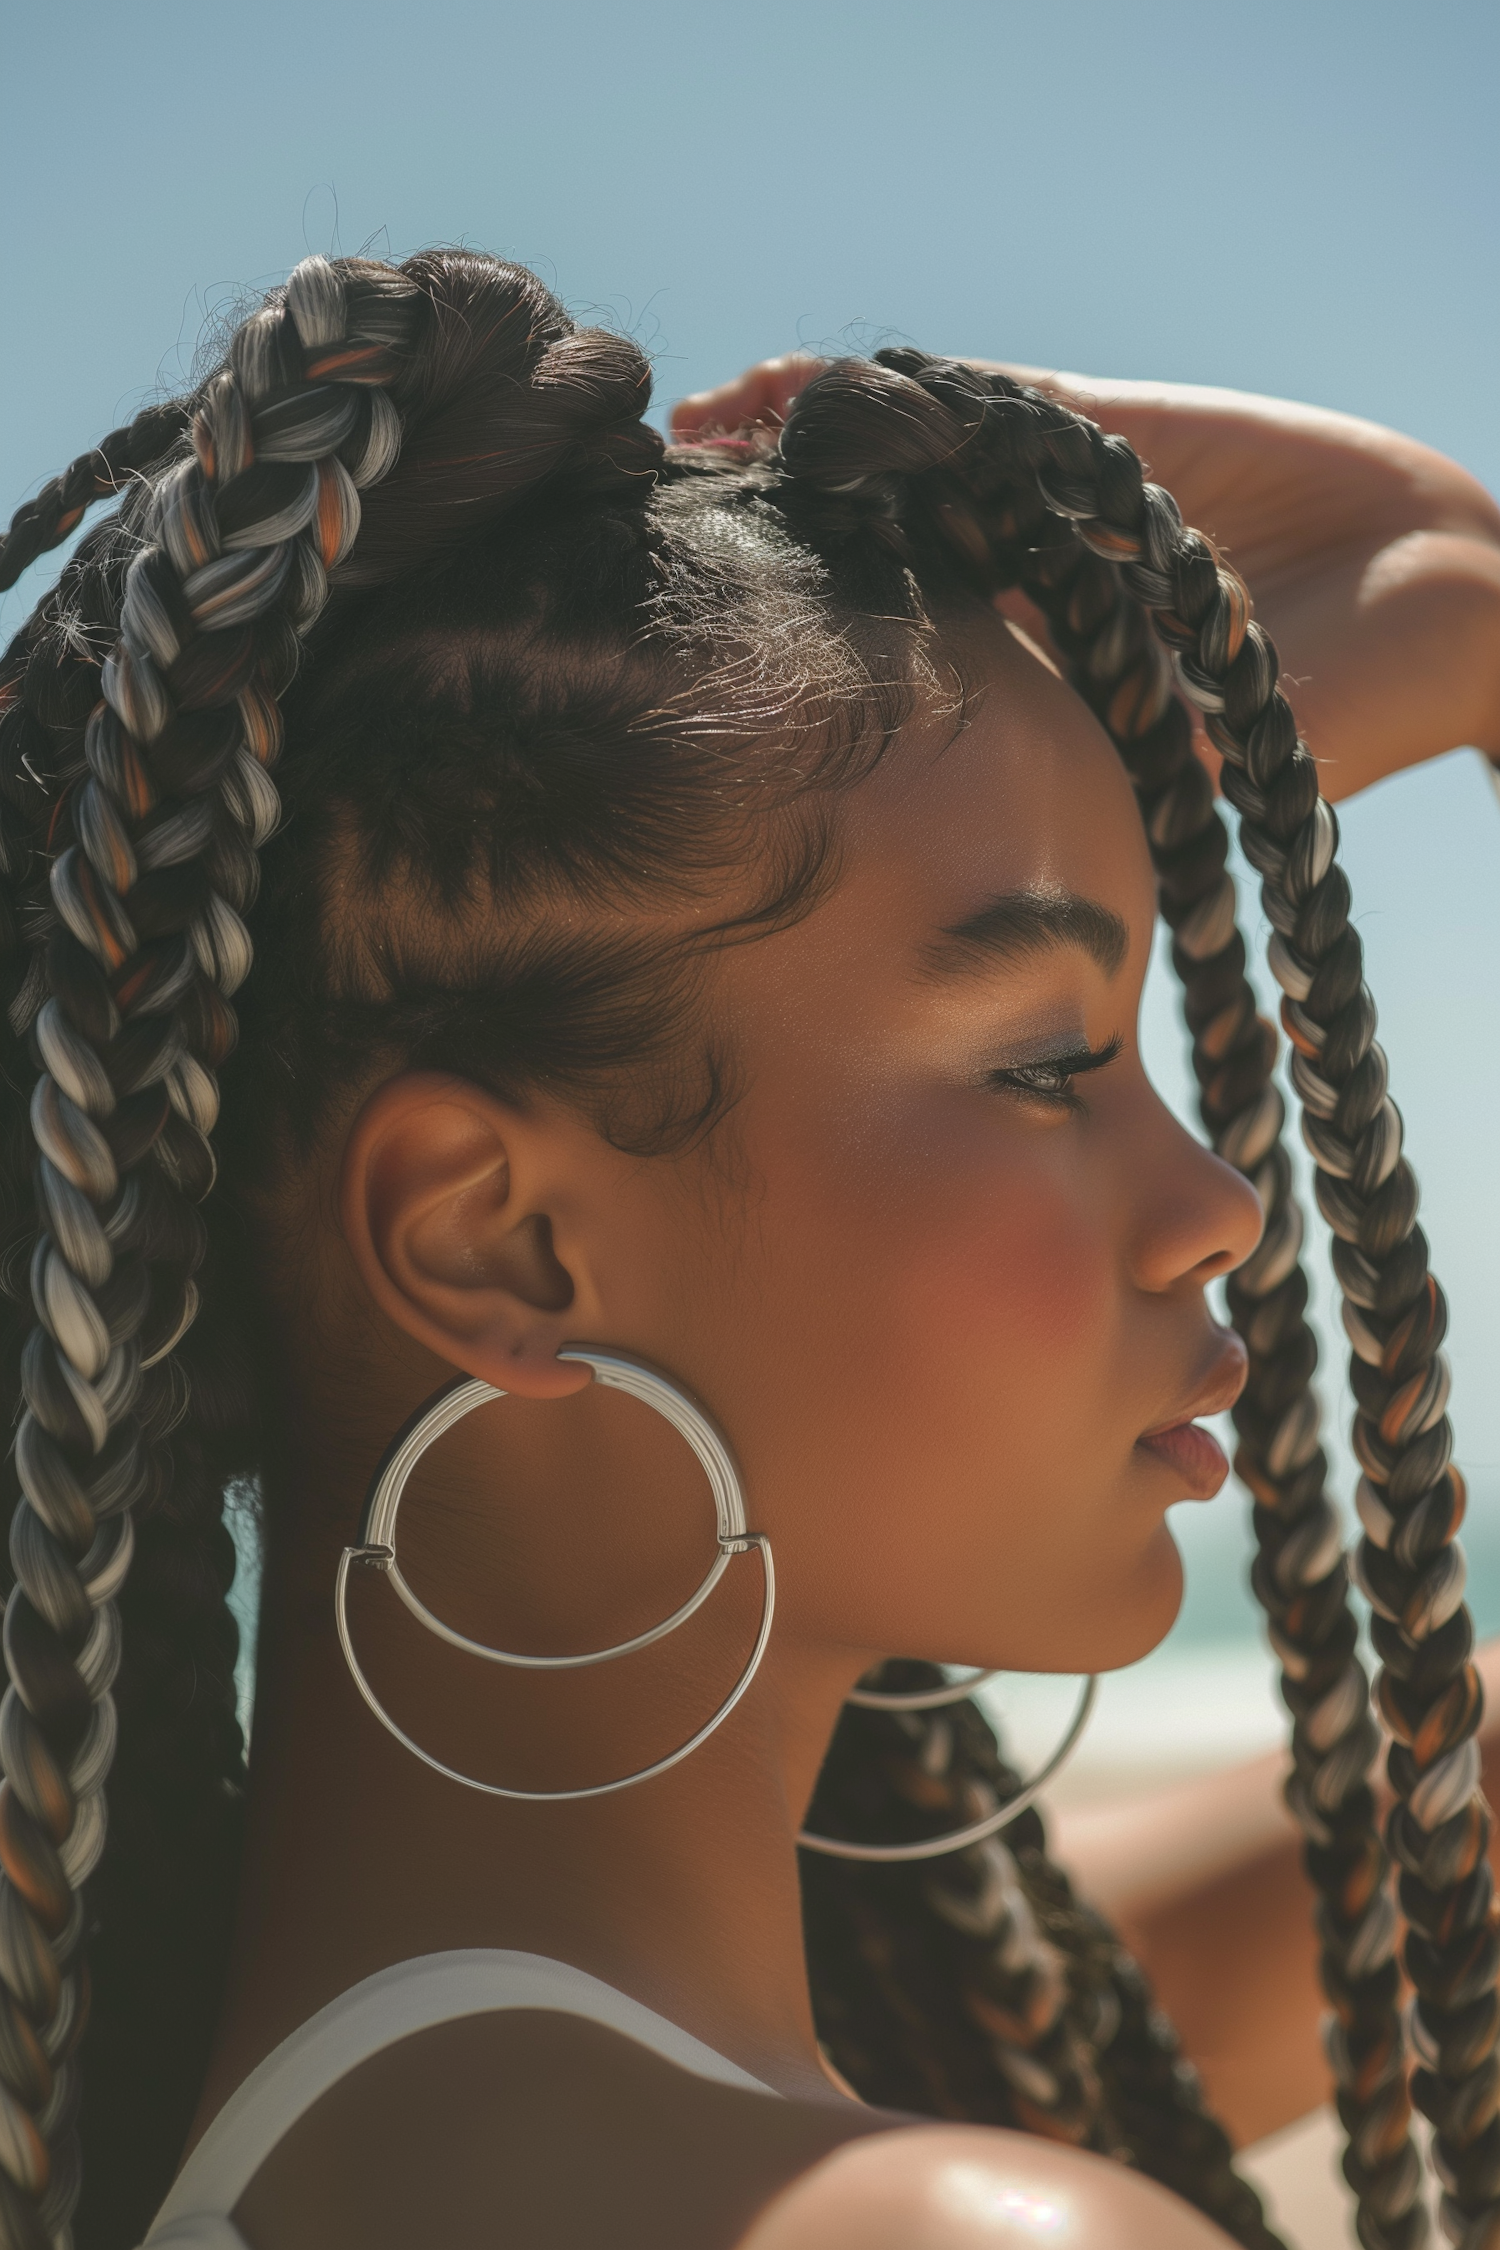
x=1019 y=1274
x=935 y=1283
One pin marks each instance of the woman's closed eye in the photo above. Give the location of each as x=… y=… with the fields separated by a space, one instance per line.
x=1050 y=1078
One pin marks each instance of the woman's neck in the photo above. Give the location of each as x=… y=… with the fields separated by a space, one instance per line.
x=682 y=1892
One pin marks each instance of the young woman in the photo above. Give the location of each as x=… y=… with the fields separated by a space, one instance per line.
x=697 y=947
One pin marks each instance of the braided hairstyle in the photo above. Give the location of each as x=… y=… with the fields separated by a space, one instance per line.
x=519 y=654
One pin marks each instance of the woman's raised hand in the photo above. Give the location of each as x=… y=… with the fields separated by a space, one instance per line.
x=758 y=399
x=1374 y=562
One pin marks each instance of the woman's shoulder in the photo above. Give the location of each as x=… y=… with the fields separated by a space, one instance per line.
x=565 y=2133
x=558 y=2130
x=974 y=2187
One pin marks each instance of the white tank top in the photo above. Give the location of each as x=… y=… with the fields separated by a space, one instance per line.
x=395 y=2003
x=1296 y=2169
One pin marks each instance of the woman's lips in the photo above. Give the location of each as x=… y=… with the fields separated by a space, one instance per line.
x=1193 y=1456
x=1189 y=1452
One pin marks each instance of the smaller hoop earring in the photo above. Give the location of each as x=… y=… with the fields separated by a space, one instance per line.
x=957 y=1839
x=376 y=1547
x=923 y=1699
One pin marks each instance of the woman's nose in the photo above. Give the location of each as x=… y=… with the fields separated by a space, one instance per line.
x=1196 y=1217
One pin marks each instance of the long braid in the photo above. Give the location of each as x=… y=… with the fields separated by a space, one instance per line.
x=160 y=1902
x=320 y=386
x=157 y=840
x=1299 y=1574
x=883 y=1966
x=1411 y=1502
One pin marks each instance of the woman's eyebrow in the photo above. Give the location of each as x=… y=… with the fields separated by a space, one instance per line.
x=1020 y=924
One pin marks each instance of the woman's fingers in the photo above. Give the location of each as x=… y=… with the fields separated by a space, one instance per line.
x=757 y=399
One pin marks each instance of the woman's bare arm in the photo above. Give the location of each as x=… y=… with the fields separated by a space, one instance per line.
x=1374 y=562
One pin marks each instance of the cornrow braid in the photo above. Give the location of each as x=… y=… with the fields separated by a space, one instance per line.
x=156 y=838
x=976 y=1986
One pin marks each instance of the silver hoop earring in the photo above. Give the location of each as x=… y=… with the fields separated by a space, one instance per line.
x=376 y=1548
x=923 y=1699
x=990 y=1824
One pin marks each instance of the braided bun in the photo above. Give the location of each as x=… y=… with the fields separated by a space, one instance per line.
x=507 y=401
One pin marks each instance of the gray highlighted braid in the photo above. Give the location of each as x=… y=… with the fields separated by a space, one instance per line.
x=140 y=715
x=1299 y=1575
x=127 y=1002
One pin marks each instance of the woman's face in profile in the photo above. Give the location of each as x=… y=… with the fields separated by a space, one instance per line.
x=951 y=1281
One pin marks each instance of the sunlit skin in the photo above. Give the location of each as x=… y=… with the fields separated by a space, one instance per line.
x=948 y=1306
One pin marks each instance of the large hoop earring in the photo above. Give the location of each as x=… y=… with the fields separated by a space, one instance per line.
x=956 y=1839
x=376 y=1548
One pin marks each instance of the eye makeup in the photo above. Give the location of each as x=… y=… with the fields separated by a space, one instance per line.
x=1049 y=1077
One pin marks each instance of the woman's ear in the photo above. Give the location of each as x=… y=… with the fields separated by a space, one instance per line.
x=450 y=1201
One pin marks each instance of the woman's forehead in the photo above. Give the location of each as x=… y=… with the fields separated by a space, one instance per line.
x=1020 y=791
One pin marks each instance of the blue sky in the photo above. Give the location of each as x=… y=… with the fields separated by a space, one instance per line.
x=1299 y=197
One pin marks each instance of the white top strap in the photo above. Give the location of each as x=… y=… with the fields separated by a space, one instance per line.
x=393 y=2004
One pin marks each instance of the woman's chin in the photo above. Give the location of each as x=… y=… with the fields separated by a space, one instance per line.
x=1144 y=1611
x=1111 y=1623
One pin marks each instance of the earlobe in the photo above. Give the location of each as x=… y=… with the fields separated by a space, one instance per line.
x=443 y=1199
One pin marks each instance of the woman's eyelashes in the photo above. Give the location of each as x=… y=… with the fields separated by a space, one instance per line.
x=1049 y=1079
